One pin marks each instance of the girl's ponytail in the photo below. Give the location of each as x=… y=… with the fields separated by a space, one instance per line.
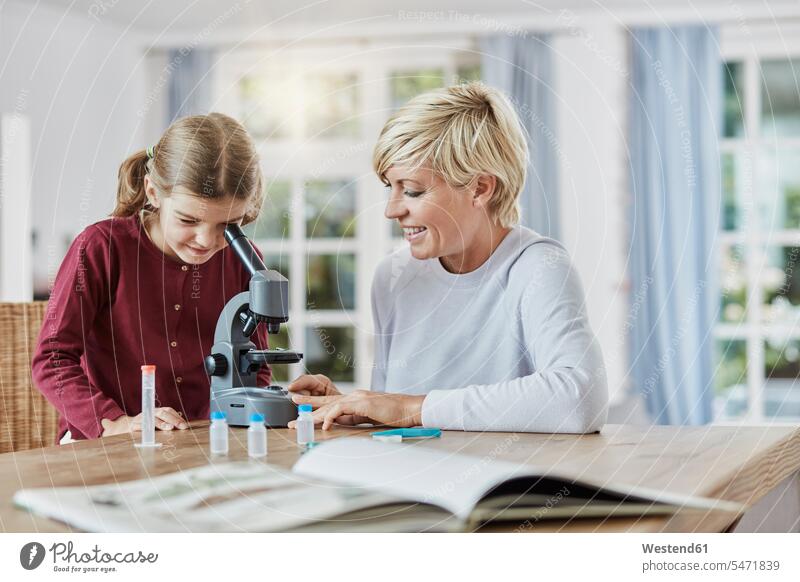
x=131 y=197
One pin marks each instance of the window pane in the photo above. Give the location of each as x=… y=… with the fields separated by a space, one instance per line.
x=737 y=182
x=278 y=263
x=779 y=188
x=467 y=73
x=408 y=84
x=782 y=369
x=394 y=225
x=733 y=75
x=397 y=232
x=780 y=98
x=330 y=351
x=733 y=279
x=780 y=279
x=332 y=106
x=267 y=105
x=331 y=281
x=274 y=219
x=730 y=379
x=330 y=209
x=280 y=372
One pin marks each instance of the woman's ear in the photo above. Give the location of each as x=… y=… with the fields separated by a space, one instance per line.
x=485 y=185
x=151 y=192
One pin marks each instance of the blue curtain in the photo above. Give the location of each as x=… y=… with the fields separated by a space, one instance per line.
x=521 y=66
x=675 y=116
x=190 y=88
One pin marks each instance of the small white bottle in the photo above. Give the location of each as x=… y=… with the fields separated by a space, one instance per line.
x=218 y=434
x=257 y=437
x=304 y=425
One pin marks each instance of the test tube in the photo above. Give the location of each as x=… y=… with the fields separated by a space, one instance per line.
x=149 y=407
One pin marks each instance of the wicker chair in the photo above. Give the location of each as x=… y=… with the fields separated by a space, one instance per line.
x=27 y=420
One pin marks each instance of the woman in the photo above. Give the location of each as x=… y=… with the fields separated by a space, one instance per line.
x=480 y=323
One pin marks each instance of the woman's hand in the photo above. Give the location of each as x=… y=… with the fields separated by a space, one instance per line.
x=166 y=419
x=399 y=410
x=313 y=385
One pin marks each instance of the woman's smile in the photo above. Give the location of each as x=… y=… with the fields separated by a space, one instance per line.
x=414 y=233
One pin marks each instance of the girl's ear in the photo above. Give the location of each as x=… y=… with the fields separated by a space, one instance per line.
x=485 y=185
x=151 y=192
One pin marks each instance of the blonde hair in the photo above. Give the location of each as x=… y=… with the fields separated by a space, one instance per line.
x=211 y=156
x=460 y=132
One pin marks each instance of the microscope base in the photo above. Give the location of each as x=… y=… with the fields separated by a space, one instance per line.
x=239 y=403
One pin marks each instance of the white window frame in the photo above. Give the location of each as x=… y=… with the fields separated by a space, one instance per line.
x=749 y=45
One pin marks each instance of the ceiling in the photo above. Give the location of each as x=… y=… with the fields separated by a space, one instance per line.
x=155 y=15
x=191 y=15
x=168 y=20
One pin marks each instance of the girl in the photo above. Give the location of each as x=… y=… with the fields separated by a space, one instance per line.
x=147 y=285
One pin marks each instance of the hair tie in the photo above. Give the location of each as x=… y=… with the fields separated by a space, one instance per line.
x=151 y=152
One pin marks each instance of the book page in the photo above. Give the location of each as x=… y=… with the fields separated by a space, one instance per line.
x=221 y=497
x=409 y=471
x=458 y=482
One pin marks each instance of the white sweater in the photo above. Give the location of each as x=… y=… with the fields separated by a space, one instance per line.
x=506 y=347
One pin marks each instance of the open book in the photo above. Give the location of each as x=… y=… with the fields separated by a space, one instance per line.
x=349 y=484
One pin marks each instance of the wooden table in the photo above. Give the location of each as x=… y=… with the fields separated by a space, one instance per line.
x=740 y=464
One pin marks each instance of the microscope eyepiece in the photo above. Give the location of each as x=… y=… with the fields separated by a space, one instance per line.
x=243 y=249
x=233 y=231
x=269 y=290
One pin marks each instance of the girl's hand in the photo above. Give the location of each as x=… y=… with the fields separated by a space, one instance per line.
x=166 y=419
x=399 y=410
x=313 y=385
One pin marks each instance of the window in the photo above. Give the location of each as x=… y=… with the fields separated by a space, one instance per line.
x=410 y=83
x=758 y=333
x=316 y=115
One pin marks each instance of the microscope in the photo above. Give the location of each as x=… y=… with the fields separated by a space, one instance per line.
x=234 y=361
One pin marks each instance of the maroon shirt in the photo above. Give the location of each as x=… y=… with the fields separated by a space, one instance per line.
x=118 y=302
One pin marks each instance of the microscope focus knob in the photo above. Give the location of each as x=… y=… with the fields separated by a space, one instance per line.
x=216 y=365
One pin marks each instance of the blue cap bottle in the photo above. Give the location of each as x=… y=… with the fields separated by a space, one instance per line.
x=304 y=425
x=257 y=436
x=218 y=434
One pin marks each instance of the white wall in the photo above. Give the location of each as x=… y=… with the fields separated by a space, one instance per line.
x=16 y=279
x=81 y=82
x=591 y=84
